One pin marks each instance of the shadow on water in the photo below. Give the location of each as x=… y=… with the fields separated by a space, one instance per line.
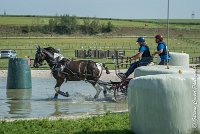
x=19 y=102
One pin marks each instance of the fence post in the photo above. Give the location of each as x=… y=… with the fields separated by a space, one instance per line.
x=127 y=62
x=122 y=61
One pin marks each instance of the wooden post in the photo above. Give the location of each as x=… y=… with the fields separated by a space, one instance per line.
x=122 y=61
x=117 y=61
x=127 y=62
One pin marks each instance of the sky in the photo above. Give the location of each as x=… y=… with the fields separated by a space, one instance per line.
x=120 y=9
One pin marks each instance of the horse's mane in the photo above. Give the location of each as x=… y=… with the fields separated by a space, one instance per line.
x=51 y=49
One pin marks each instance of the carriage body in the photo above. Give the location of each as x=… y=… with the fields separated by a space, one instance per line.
x=117 y=88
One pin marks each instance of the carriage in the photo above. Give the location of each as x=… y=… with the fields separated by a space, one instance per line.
x=118 y=89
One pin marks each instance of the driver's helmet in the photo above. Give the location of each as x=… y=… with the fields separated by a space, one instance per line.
x=141 y=39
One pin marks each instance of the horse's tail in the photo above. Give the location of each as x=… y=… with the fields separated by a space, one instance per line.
x=106 y=68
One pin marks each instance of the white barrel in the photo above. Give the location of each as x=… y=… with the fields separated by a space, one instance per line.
x=178 y=59
x=163 y=104
x=158 y=69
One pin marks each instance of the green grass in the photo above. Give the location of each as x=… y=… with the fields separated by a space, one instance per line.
x=109 y=123
x=21 y=21
x=182 y=38
x=174 y=23
x=26 y=46
x=135 y=23
x=117 y=123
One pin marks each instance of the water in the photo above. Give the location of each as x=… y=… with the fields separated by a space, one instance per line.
x=38 y=102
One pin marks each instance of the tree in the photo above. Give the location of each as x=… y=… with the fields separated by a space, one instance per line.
x=68 y=24
x=86 y=25
x=25 y=29
x=52 y=24
x=107 y=28
x=95 y=27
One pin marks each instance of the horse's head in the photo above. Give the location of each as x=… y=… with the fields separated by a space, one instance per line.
x=39 y=57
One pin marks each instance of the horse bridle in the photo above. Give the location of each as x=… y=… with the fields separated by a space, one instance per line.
x=41 y=56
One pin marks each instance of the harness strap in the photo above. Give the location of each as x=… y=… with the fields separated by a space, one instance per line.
x=85 y=70
x=66 y=67
x=71 y=73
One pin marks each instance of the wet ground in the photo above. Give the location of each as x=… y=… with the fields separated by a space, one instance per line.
x=39 y=102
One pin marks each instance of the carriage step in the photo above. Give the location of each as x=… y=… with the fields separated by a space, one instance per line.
x=115 y=82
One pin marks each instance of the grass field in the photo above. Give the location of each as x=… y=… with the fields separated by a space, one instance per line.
x=109 y=123
x=67 y=46
x=22 y=20
x=142 y=23
x=184 y=37
x=26 y=46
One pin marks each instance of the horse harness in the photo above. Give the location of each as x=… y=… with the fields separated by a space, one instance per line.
x=61 y=66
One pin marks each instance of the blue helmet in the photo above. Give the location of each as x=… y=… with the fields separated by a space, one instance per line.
x=140 y=39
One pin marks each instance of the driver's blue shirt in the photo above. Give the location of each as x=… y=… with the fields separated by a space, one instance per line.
x=146 y=56
x=143 y=48
x=163 y=57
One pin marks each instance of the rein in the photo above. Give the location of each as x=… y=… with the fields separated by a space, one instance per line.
x=85 y=72
x=50 y=60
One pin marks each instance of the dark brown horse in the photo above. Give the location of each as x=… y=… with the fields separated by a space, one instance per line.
x=68 y=70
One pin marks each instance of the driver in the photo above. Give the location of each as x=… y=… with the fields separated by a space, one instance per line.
x=144 y=56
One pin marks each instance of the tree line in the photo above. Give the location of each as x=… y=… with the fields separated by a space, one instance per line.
x=70 y=24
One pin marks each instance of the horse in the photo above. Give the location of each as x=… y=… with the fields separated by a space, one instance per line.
x=69 y=70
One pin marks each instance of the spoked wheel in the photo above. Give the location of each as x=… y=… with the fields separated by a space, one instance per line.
x=121 y=91
x=117 y=90
x=120 y=94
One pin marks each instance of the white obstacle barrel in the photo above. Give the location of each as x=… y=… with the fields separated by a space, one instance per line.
x=178 y=59
x=157 y=69
x=163 y=104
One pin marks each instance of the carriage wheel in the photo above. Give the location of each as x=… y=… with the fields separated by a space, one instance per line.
x=119 y=95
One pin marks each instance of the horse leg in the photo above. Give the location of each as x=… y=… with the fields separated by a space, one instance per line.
x=56 y=96
x=98 y=88
x=57 y=89
x=103 y=87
